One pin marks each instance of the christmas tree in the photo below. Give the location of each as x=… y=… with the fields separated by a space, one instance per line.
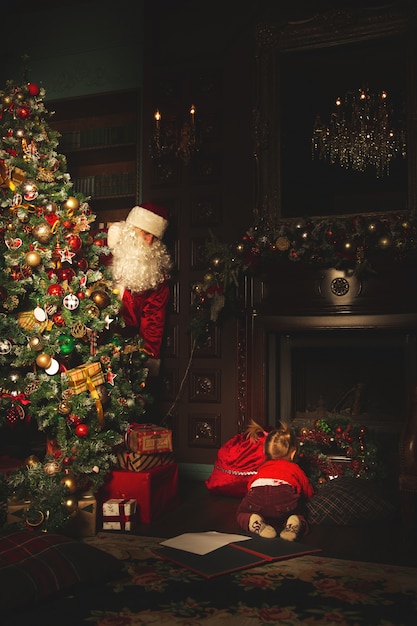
x=64 y=366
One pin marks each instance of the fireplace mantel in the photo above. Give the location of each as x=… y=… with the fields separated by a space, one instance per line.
x=294 y=297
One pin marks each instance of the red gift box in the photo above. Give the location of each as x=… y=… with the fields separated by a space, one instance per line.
x=154 y=491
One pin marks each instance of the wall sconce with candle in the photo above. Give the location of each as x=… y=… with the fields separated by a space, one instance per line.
x=167 y=140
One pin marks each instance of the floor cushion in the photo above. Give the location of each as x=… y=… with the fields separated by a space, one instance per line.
x=347 y=501
x=34 y=565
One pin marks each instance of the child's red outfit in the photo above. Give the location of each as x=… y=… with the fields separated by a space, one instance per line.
x=278 y=490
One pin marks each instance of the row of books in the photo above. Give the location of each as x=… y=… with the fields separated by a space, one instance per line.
x=96 y=137
x=123 y=184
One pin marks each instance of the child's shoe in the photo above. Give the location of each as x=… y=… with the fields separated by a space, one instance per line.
x=258 y=526
x=292 y=528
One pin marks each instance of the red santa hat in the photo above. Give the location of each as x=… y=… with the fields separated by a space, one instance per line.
x=149 y=217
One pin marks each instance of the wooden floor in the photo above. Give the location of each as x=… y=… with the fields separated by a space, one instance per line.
x=199 y=510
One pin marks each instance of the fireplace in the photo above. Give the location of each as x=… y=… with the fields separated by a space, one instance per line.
x=307 y=348
x=363 y=374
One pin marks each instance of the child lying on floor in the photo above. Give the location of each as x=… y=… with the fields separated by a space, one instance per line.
x=276 y=494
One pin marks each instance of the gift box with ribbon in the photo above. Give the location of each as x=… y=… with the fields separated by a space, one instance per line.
x=83 y=523
x=118 y=514
x=154 y=491
x=148 y=439
x=137 y=462
x=17 y=511
x=85 y=377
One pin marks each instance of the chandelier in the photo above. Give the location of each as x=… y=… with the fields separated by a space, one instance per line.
x=169 y=140
x=360 y=133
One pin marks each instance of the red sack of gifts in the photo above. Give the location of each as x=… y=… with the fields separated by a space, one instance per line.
x=237 y=461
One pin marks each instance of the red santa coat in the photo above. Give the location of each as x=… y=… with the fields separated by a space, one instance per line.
x=145 y=312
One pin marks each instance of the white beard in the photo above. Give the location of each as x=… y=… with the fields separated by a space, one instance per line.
x=136 y=265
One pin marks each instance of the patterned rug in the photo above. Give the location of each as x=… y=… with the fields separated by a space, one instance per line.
x=309 y=590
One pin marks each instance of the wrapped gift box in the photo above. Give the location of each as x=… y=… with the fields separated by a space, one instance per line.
x=85 y=377
x=119 y=514
x=154 y=491
x=148 y=439
x=84 y=522
x=17 y=511
x=136 y=462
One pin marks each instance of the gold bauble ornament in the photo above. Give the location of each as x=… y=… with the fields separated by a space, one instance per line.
x=43 y=360
x=64 y=407
x=71 y=203
x=32 y=460
x=71 y=504
x=101 y=299
x=33 y=258
x=42 y=232
x=36 y=343
x=69 y=483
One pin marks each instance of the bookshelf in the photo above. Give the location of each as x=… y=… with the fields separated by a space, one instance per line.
x=100 y=137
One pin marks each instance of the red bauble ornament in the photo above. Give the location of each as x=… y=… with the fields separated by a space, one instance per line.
x=58 y=320
x=33 y=89
x=74 y=242
x=82 y=264
x=99 y=242
x=66 y=273
x=55 y=290
x=82 y=430
x=73 y=419
x=23 y=112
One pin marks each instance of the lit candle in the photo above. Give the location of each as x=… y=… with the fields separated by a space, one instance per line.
x=192 y=113
x=157 y=117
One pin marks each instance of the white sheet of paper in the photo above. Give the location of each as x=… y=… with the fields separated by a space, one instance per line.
x=202 y=543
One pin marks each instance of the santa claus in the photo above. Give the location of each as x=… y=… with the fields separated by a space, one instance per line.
x=141 y=266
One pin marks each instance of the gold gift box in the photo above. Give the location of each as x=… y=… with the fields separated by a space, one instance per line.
x=85 y=377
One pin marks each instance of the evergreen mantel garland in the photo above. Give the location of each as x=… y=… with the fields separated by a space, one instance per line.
x=336 y=446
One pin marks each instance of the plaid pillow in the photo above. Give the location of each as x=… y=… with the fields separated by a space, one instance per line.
x=348 y=501
x=35 y=565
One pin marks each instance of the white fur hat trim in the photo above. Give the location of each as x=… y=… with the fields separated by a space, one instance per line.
x=147 y=220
